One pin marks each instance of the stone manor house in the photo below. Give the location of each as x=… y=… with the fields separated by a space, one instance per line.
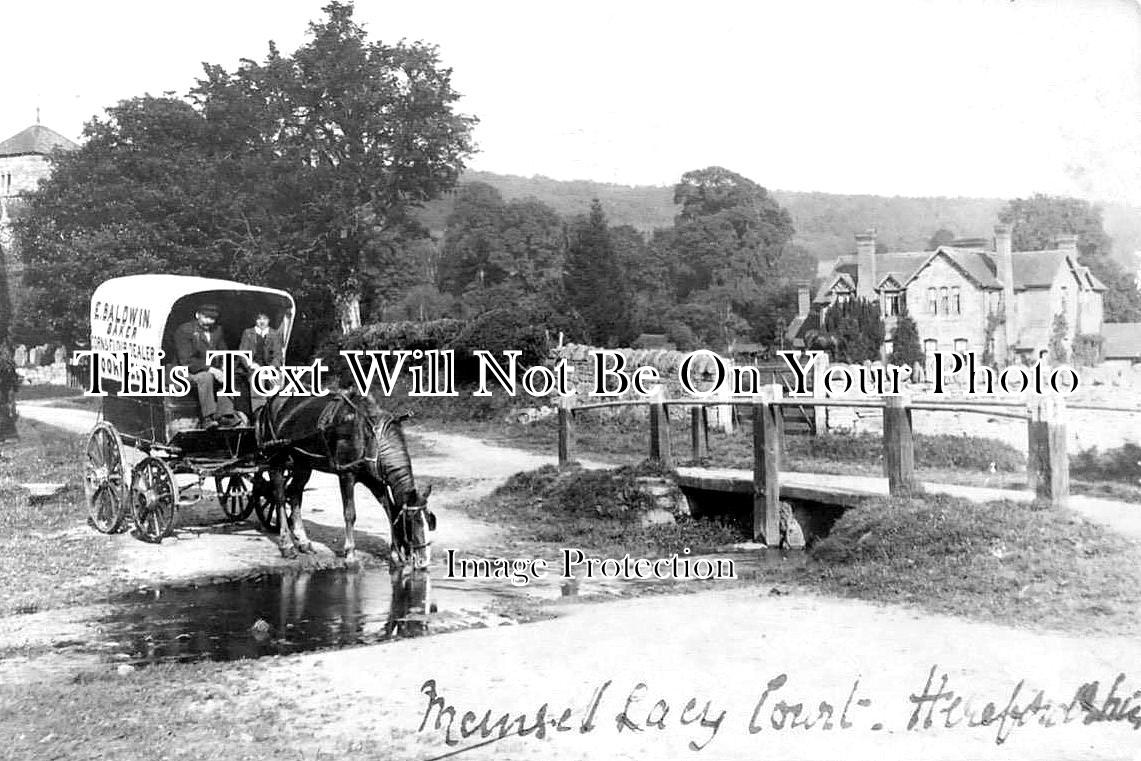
x=955 y=293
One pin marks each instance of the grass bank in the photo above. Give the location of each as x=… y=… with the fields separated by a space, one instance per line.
x=48 y=555
x=1010 y=562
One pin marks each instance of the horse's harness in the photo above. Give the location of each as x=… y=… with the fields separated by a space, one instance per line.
x=326 y=422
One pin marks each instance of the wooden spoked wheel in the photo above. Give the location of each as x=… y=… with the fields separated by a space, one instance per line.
x=264 y=503
x=105 y=479
x=154 y=498
x=235 y=493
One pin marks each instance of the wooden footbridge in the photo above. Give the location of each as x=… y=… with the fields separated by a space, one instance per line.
x=1047 y=465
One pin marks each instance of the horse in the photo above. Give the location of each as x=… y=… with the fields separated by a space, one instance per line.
x=349 y=435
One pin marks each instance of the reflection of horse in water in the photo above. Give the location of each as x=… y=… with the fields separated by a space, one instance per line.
x=411 y=605
x=350 y=436
x=317 y=615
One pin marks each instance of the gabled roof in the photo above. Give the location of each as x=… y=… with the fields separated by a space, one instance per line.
x=1091 y=280
x=1037 y=269
x=1121 y=340
x=974 y=264
x=839 y=277
x=36 y=139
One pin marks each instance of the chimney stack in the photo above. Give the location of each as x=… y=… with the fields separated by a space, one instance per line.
x=866 y=265
x=1067 y=243
x=803 y=301
x=1004 y=268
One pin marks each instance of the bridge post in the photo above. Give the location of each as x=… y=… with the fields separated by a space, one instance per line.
x=899 y=447
x=819 y=412
x=767 y=424
x=1048 y=464
x=699 y=432
x=566 y=432
x=660 y=430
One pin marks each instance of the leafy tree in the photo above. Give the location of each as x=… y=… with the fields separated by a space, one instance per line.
x=1059 y=339
x=5 y=301
x=496 y=252
x=729 y=252
x=942 y=237
x=593 y=281
x=855 y=328
x=300 y=172
x=905 y=346
x=1039 y=219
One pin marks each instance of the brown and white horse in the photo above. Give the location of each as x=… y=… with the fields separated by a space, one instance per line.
x=349 y=435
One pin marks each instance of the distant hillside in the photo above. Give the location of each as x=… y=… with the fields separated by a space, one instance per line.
x=825 y=222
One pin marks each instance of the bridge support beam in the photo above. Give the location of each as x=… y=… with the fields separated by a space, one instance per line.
x=1048 y=464
x=660 y=434
x=899 y=447
x=699 y=432
x=767 y=435
x=566 y=432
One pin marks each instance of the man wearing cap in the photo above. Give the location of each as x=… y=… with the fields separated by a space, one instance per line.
x=192 y=340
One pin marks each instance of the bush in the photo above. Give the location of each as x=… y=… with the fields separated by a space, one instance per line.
x=1088 y=349
x=497 y=331
x=931 y=451
x=1122 y=464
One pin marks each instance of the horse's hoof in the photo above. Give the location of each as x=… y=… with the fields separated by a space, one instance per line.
x=306 y=548
x=351 y=558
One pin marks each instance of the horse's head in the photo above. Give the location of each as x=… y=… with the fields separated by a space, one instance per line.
x=410 y=529
x=411 y=518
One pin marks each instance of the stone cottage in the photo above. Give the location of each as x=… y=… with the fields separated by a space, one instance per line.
x=969 y=296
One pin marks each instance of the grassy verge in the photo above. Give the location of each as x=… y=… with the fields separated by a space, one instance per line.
x=48 y=556
x=594 y=509
x=27 y=393
x=1010 y=562
x=1006 y=561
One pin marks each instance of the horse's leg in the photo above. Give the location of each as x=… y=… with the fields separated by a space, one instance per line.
x=284 y=539
x=298 y=478
x=376 y=486
x=347 y=482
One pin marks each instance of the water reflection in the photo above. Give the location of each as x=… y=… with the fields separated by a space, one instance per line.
x=270 y=615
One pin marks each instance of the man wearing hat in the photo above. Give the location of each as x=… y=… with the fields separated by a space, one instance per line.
x=192 y=340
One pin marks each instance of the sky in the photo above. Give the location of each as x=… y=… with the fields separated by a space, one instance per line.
x=994 y=98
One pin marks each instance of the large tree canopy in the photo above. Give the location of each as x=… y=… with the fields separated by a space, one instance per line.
x=1039 y=219
x=496 y=251
x=299 y=172
x=731 y=257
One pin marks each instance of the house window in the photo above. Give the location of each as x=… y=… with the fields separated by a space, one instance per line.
x=956 y=302
x=892 y=303
x=1065 y=299
x=961 y=346
x=932 y=304
x=944 y=301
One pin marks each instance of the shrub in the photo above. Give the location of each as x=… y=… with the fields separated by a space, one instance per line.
x=1122 y=464
x=497 y=331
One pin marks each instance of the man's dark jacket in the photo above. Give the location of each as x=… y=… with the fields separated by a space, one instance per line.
x=190 y=341
x=274 y=346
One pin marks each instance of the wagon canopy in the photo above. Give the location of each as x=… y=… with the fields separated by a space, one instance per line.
x=138 y=314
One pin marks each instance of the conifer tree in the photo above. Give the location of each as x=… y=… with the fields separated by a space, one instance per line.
x=593 y=282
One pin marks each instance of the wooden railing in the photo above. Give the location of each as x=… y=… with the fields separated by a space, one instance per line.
x=1047 y=461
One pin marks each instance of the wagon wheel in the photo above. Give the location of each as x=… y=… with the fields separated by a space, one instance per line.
x=154 y=497
x=264 y=503
x=105 y=479
x=235 y=495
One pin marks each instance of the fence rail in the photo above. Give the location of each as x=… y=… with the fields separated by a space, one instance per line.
x=1047 y=461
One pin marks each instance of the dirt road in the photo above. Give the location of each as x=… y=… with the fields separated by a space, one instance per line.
x=730 y=674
